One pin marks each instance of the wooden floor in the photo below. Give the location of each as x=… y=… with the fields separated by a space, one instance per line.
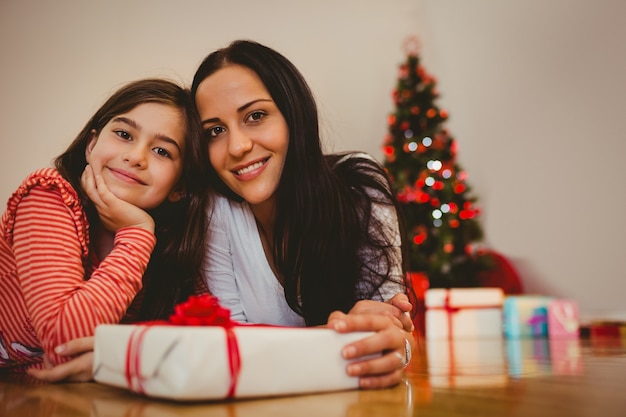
x=465 y=378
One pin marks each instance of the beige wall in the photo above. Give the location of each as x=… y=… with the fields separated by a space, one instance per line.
x=535 y=90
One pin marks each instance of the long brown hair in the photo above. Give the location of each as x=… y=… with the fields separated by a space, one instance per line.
x=324 y=208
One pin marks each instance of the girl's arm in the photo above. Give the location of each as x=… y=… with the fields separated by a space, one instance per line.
x=79 y=367
x=49 y=258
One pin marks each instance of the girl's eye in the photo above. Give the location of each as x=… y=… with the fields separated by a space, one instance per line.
x=162 y=152
x=123 y=134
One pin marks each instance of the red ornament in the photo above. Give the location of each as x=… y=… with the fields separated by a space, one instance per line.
x=423 y=197
x=419 y=239
x=403 y=71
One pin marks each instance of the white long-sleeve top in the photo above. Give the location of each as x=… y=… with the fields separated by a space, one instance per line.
x=237 y=272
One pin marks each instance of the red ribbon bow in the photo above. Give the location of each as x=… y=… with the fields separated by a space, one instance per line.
x=203 y=310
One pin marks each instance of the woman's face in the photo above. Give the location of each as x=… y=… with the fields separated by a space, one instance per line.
x=140 y=154
x=248 y=134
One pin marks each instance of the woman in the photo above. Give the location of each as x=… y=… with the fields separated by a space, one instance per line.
x=298 y=237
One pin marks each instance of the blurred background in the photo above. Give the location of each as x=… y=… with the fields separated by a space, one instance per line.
x=534 y=90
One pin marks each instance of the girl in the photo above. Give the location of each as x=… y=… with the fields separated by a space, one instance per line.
x=297 y=237
x=120 y=221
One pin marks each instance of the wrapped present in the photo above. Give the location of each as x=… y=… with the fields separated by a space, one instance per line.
x=563 y=319
x=419 y=282
x=186 y=361
x=526 y=315
x=466 y=362
x=607 y=328
x=463 y=312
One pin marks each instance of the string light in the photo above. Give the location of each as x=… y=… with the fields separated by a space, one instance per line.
x=434 y=165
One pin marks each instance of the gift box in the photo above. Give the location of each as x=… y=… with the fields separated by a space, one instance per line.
x=563 y=319
x=201 y=354
x=209 y=362
x=463 y=313
x=526 y=316
x=600 y=328
x=466 y=362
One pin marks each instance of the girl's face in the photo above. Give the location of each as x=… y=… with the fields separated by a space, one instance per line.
x=248 y=135
x=140 y=154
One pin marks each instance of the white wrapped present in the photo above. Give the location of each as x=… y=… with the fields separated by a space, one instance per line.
x=463 y=312
x=190 y=363
x=201 y=354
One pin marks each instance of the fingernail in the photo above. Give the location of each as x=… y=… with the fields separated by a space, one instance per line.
x=348 y=352
x=354 y=369
x=59 y=349
x=340 y=325
x=364 y=383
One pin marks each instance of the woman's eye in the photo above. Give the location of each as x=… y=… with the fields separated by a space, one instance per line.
x=214 y=131
x=123 y=134
x=256 y=115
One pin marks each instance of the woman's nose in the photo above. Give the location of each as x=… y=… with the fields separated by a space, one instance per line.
x=239 y=143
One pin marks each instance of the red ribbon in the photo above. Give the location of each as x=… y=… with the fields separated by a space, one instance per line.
x=201 y=310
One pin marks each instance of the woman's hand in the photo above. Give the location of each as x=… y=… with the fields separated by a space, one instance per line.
x=78 y=369
x=389 y=344
x=397 y=307
x=114 y=212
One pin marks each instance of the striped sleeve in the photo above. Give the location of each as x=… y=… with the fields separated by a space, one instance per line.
x=49 y=260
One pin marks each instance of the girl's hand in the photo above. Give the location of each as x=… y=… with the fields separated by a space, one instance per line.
x=114 y=212
x=397 y=307
x=389 y=341
x=78 y=369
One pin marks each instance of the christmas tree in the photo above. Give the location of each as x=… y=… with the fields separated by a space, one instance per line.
x=440 y=214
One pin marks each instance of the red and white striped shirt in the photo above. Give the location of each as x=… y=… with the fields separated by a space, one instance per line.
x=52 y=287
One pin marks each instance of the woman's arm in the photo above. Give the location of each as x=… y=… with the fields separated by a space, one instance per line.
x=390 y=341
